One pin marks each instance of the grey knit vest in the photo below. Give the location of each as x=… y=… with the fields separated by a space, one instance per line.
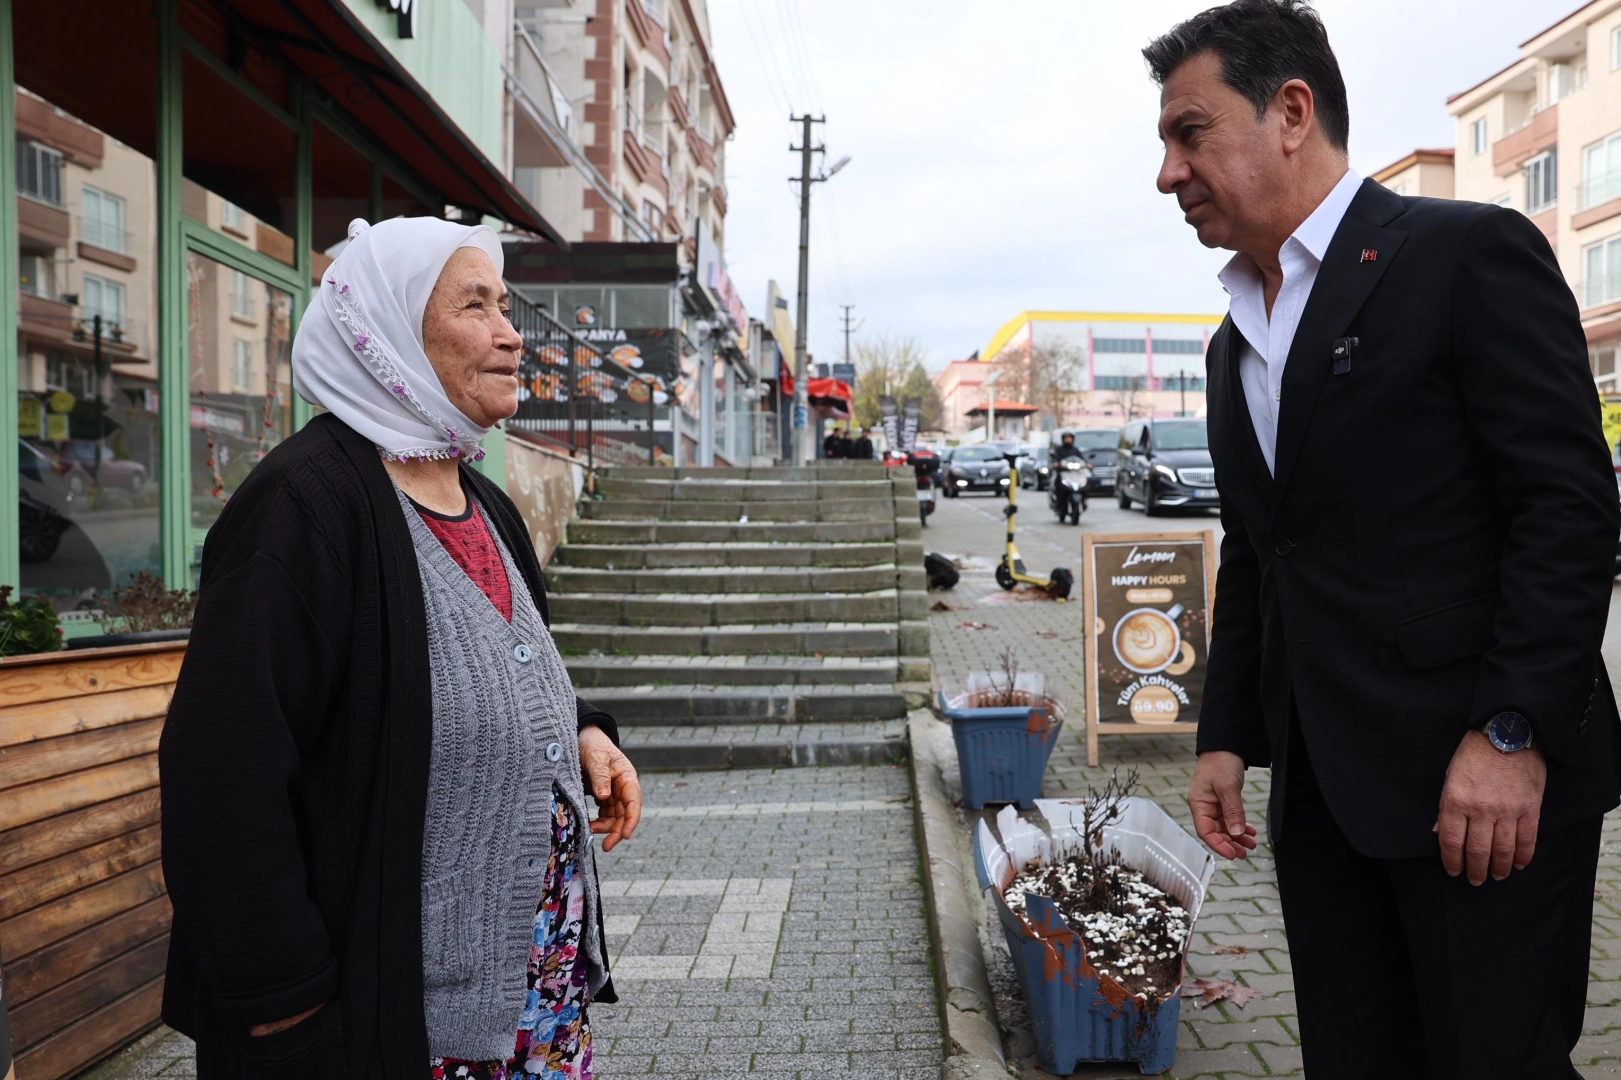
x=505 y=730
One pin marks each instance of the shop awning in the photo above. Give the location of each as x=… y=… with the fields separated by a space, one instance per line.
x=1007 y=408
x=323 y=39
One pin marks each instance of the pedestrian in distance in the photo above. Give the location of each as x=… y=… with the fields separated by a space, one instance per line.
x=832 y=445
x=863 y=446
x=374 y=769
x=847 y=445
x=1421 y=521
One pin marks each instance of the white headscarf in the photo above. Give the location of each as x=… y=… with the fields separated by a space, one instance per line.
x=359 y=354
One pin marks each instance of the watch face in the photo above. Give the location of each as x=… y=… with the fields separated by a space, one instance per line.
x=1510 y=731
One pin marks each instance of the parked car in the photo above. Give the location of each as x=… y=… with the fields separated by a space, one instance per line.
x=975 y=468
x=1165 y=463
x=1097 y=447
x=50 y=470
x=107 y=469
x=1033 y=467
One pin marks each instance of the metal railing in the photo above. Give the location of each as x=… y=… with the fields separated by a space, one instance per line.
x=1600 y=189
x=576 y=398
x=1599 y=289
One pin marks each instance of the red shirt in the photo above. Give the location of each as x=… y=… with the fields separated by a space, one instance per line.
x=467 y=539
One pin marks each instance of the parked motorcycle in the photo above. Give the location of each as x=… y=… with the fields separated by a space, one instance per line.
x=926 y=465
x=1066 y=495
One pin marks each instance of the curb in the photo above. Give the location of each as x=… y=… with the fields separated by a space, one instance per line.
x=973 y=1039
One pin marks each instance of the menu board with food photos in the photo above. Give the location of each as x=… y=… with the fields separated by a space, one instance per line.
x=1146 y=601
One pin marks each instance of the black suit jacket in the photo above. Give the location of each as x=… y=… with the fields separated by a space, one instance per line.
x=1438 y=542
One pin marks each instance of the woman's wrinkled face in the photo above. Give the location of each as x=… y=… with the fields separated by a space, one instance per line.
x=472 y=345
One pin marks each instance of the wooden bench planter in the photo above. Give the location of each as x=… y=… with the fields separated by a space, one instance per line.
x=84 y=916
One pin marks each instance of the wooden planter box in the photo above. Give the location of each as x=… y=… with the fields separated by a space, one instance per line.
x=84 y=916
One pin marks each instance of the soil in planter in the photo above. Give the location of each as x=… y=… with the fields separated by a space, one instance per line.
x=1133 y=930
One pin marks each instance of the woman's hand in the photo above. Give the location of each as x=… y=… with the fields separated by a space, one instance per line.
x=613 y=783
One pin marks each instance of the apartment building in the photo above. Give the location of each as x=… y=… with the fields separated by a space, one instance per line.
x=1423 y=173
x=1543 y=135
x=1112 y=366
x=620 y=120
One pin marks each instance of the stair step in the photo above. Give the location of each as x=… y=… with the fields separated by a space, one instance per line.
x=562 y=580
x=796 y=510
x=827 y=470
x=732 y=670
x=783 y=639
x=724 y=609
x=606 y=527
x=751 y=491
x=685 y=704
x=740 y=553
x=766 y=746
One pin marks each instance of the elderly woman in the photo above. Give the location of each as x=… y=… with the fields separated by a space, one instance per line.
x=374 y=768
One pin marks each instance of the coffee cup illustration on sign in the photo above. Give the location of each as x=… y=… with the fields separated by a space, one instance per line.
x=1147 y=640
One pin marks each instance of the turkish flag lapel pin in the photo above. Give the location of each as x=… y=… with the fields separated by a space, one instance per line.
x=1369 y=255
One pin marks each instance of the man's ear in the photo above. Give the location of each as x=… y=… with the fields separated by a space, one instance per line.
x=1296 y=108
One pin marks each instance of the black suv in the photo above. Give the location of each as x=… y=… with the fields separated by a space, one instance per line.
x=1165 y=463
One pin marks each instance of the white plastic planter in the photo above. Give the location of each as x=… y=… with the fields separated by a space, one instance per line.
x=1080 y=1014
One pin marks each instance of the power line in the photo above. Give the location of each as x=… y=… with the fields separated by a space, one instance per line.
x=773 y=79
x=769 y=51
x=795 y=64
x=804 y=46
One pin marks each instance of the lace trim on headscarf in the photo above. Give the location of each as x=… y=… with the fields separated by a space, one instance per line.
x=353 y=316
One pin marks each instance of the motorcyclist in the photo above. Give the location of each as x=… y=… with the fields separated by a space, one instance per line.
x=1066 y=448
x=1056 y=495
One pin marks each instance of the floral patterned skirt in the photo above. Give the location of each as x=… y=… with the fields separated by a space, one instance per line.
x=554 y=1032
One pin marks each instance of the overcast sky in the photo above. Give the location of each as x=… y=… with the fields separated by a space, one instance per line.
x=1004 y=153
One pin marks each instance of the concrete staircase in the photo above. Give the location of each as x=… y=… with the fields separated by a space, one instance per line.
x=747 y=616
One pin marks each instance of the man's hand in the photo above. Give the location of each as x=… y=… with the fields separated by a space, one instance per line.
x=1217 y=801
x=613 y=783
x=1490 y=808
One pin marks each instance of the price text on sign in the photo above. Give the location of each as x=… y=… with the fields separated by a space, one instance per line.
x=1146 y=606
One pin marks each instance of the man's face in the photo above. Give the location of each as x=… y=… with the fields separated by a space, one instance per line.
x=1221 y=164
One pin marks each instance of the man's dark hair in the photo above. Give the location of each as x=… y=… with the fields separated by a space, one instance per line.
x=1262 y=44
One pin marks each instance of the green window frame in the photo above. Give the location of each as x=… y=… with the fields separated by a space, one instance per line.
x=177 y=237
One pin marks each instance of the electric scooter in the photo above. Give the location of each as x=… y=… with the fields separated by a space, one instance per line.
x=1011 y=572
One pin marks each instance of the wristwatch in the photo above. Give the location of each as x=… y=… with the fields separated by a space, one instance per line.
x=1508 y=731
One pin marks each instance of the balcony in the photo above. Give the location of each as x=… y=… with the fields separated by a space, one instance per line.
x=1599 y=199
x=1532 y=138
x=44 y=317
x=43 y=222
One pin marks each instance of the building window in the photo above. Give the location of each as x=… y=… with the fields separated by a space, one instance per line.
x=1477 y=136
x=101 y=219
x=232 y=218
x=241 y=364
x=1399 y=189
x=1561 y=82
x=1615 y=48
x=34 y=275
x=1505 y=199
x=1601 y=171
x=1601 y=268
x=241 y=296
x=1541 y=183
x=653 y=217
x=39 y=172
x=104 y=298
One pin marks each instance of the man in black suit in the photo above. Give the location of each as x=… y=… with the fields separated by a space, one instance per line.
x=862 y=447
x=1421 y=520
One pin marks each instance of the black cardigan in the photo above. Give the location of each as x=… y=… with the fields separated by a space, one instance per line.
x=294 y=767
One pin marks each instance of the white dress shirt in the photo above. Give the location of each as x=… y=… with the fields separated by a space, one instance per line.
x=1267 y=341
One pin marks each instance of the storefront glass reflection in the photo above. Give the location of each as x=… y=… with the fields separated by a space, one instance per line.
x=87 y=454
x=238 y=338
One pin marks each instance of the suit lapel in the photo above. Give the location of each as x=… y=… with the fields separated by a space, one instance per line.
x=1344 y=283
x=1243 y=424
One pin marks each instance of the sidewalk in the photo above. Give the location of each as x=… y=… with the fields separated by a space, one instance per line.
x=1241 y=915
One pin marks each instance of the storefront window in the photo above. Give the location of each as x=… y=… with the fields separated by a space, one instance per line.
x=341 y=186
x=239 y=164
x=398 y=201
x=238 y=344
x=87 y=402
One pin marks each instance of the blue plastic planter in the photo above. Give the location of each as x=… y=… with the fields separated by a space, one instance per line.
x=1079 y=1015
x=1002 y=752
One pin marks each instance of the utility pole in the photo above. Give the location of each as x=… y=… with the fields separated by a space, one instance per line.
x=803 y=450
x=849 y=325
x=1184 y=410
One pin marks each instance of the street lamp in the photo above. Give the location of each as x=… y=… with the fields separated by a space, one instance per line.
x=990 y=405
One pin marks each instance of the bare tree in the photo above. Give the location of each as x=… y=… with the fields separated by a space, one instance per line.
x=893 y=366
x=1130 y=399
x=1043 y=375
